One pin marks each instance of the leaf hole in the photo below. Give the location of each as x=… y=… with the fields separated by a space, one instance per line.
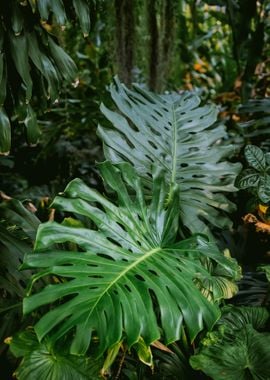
x=183 y=165
x=105 y=256
x=128 y=288
x=96 y=276
x=153 y=272
x=140 y=278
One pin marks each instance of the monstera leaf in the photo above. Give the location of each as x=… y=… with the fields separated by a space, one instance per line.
x=44 y=362
x=178 y=135
x=237 y=350
x=130 y=278
x=18 y=227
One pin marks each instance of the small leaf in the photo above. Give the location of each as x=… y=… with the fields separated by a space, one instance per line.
x=5 y=133
x=264 y=189
x=82 y=10
x=17 y=19
x=19 y=51
x=144 y=352
x=255 y=157
x=3 y=79
x=32 y=128
x=247 y=178
x=64 y=63
x=111 y=356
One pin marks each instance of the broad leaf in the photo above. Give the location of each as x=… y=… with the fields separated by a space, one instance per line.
x=247 y=178
x=244 y=357
x=42 y=361
x=255 y=157
x=264 y=189
x=132 y=277
x=236 y=350
x=178 y=135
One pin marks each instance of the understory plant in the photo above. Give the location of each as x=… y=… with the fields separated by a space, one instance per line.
x=135 y=270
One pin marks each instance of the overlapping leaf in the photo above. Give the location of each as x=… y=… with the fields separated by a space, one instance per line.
x=237 y=350
x=178 y=135
x=257 y=176
x=44 y=362
x=131 y=277
x=27 y=51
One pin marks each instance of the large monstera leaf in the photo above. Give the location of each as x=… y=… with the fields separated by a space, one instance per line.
x=131 y=277
x=177 y=134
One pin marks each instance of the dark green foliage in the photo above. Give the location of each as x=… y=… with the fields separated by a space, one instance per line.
x=258 y=176
x=44 y=361
x=135 y=249
x=237 y=349
x=18 y=228
x=32 y=64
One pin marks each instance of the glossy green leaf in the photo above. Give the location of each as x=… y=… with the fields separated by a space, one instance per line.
x=32 y=127
x=255 y=157
x=264 y=189
x=55 y=6
x=17 y=20
x=218 y=285
x=3 y=79
x=178 y=135
x=43 y=362
x=82 y=10
x=19 y=49
x=128 y=269
x=235 y=317
x=64 y=63
x=17 y=231
x=236 y=350
x=5 y=133
x=247 y=178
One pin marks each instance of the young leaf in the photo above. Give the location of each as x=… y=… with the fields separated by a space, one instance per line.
x=5 y=133
x=32 y=128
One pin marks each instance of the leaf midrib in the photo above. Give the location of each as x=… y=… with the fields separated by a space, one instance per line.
x=122 y=274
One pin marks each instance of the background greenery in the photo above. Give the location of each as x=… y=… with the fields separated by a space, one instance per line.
x=58 y=61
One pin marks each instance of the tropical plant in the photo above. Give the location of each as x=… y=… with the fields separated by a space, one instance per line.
x=45 y=361
x=181 y=137
x=32 y=64
x=257 y=177
x=18 y=227
x=236 y=349
x=134 y=249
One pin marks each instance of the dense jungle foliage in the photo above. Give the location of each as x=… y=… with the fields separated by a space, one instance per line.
x=135 y=189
